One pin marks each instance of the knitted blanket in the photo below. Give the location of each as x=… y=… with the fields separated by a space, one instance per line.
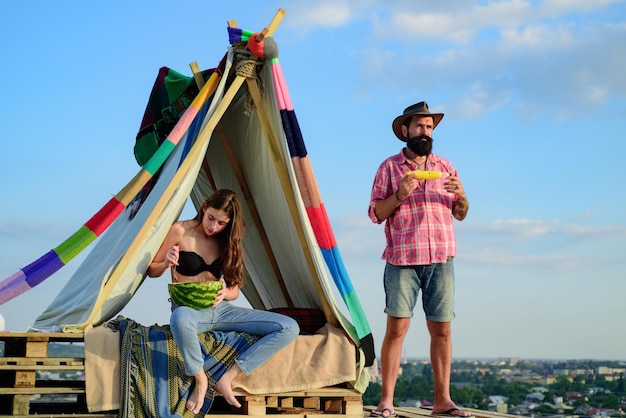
x=311 y=361
x=152 y=381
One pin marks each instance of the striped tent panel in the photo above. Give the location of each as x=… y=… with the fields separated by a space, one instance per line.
x=316 y=211
x=311 y=197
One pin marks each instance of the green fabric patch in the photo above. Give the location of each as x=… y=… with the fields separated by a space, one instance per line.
x=196 y=295
x=145 y=147
x=156 y=161
x=176 y=84
x=79 y=240
x=171 y=95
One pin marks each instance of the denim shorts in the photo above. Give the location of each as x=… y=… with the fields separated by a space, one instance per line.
x=403 y=285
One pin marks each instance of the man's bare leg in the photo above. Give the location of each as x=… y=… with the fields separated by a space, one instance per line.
x=441 y=359
x=223 y=385
x=391 y=354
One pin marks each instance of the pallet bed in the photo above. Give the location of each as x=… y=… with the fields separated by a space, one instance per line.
x=31 y=384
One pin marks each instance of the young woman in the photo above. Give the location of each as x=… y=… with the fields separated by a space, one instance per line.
x=202 y=251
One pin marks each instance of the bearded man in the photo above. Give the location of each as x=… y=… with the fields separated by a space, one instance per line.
x=419 y=252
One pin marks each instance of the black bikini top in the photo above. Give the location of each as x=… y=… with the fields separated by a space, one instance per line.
x=192 y=264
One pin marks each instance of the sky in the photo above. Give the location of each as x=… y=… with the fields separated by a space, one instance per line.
x=534 y=96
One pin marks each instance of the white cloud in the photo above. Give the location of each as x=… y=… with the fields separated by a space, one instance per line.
x=547 y=58
x=524 y=227
x=460 y=24
x=310 y=15
x=13 y=231
x=429 y=25
x=559 y=7
x=482 y=99
x=539 y=37
x=532 y=228
x=518 y=243
x=496 y=257
x=538 y=57
x=597 y=95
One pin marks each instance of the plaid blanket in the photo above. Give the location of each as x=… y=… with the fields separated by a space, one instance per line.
x=153 y=382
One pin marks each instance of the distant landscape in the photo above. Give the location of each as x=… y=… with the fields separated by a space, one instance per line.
x=528 y=387
x=517 y=386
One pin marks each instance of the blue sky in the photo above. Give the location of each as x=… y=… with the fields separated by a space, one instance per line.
x=534 y=97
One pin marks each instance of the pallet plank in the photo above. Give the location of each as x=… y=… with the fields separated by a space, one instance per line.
x=41 y=363
x=41 y=390
x=93 y=415
x=42 y=336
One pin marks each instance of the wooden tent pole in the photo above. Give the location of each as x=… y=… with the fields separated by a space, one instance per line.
x=247 y=194
x=283 y=175
x=282 y=170
x=197 y=74
x=239 y=172
x=244 y=184
x=284 y=179
x=206 y=170
x=278 y=17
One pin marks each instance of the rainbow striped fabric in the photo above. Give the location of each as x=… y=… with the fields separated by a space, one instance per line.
x=311 y=196
x=45 y=266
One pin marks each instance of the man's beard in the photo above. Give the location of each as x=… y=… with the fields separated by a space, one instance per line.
x=421 y=145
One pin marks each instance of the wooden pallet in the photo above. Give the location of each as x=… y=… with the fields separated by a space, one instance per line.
x=27 y=353
x=23 y=391
x=333 y=402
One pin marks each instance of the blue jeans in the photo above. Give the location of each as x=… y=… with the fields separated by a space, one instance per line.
x=276 y=331
x=436 y=282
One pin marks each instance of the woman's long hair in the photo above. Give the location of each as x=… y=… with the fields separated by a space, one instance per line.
x=230 y=238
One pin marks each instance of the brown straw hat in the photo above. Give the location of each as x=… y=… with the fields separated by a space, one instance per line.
x=418 y=109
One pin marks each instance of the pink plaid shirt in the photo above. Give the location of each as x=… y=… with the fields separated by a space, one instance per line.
x=421 y=230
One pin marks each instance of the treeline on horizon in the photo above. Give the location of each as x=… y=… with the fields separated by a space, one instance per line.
x=472 y=386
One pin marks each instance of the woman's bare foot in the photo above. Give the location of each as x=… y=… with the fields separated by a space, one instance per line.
x=196 y=398
x=223 y=385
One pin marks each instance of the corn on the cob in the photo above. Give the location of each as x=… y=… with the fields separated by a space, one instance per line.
x=425 y=175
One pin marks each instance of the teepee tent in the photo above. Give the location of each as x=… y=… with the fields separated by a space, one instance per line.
x=232 y=127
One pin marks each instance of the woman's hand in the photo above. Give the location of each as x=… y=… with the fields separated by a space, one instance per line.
x=226 y=293
x=158 y=266
x=171 y=257
x=221 y=294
